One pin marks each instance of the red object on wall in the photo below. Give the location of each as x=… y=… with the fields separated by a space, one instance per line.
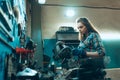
x=23 y=51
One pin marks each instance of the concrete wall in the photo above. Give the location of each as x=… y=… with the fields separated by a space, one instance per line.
x=103 y=14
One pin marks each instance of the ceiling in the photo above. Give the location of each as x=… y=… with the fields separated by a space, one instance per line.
x=105 y=3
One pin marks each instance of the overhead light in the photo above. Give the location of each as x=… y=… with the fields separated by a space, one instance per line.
x=70 y=13
x=41 y=1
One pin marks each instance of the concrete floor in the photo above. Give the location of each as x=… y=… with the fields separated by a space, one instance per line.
x=113 y=73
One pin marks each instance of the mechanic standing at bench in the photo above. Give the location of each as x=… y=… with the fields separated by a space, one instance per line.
x=90 y=49
x=90 y=42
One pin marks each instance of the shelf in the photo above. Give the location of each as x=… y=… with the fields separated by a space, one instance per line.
x=67 y=36
x=65 y=32
x=6 y=43
x=72 y=43
x=6 y=19
x=6 y=32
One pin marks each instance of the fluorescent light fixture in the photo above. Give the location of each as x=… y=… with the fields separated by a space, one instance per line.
x=110 y=36
x=70 y=13
x=41 y=1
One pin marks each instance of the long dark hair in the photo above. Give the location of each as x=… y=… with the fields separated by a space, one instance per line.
x=89 y=26
x=87 y=23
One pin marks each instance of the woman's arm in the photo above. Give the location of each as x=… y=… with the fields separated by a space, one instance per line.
x=98 y=46
x=93 y=54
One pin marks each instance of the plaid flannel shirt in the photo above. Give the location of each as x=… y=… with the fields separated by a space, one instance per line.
x=93 y=43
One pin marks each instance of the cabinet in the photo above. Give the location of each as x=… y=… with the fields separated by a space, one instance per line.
x=70 y=38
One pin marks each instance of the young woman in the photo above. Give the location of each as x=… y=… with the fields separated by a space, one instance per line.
x=90 y=42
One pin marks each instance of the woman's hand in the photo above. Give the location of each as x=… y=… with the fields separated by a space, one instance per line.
x=79 y=52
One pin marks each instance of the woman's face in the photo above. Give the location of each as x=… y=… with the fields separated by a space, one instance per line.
x=81 y=27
